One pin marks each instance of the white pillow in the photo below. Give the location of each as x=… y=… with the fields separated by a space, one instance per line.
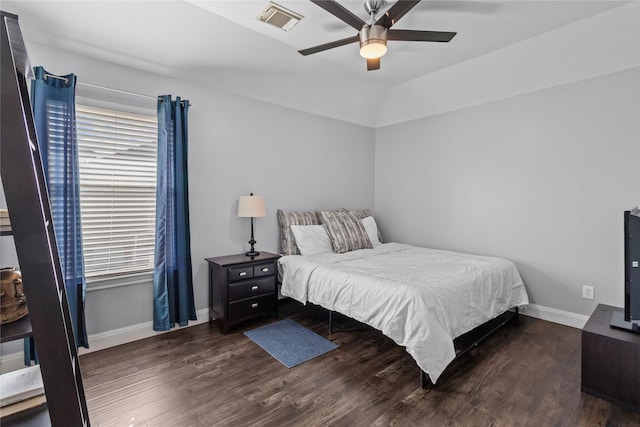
x=371 y=228
x=311 y=239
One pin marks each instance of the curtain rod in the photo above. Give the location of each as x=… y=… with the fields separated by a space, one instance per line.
x=117 y=90
x=47 y=75
x=66 y=80
x=155 y=98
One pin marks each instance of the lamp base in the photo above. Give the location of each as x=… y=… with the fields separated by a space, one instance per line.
x=252 y=253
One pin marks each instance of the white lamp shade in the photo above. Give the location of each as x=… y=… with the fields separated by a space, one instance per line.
x=251 y=206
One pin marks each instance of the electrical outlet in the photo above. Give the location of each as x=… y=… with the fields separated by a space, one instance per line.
x=588 y=292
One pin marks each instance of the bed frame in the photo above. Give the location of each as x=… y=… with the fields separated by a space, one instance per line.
x=466 y=342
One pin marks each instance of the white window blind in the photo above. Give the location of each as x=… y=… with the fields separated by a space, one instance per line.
x=117 y=153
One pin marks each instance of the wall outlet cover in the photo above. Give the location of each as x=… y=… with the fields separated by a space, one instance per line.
x=588 y=292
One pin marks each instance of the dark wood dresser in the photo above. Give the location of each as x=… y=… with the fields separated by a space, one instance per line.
x=242 y=287
x=610 y=360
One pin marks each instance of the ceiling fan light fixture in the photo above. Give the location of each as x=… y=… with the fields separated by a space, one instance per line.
x=374 y=49
x=373 y=36
x=373 y=41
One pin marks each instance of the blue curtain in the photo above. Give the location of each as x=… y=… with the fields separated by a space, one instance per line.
x=53 y=103
x=172 y=278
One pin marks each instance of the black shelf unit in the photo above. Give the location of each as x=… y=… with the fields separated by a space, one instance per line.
x=27 y=199
x=21 y=328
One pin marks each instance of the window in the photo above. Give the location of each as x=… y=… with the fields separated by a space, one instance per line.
x=117 y=154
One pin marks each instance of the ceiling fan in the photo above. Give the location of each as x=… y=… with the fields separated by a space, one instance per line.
x=374 y=35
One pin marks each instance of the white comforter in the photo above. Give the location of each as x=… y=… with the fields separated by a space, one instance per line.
x=421 y=298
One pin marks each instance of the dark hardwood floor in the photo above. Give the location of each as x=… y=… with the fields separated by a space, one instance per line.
x=528 y=374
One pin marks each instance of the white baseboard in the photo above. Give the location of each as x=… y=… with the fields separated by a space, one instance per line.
x=102 y=340
x=554 y=315
x=134 y=333
x=140 y=331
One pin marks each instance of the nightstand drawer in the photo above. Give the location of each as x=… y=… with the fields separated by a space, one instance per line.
x=267 y=269
x=249 y=271
x=240 y=273
x=252 y=288
x=251 y=307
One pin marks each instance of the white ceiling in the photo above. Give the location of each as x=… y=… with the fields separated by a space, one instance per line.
x=482 y=26
x=223 y=45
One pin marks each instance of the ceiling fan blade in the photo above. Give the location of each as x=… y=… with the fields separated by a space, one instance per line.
x=340 y=12
x=327 y=46
x=373 y=64
x=396 y=12
x=420 y=36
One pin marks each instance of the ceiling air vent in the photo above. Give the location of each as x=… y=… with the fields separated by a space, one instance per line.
x=279 y=16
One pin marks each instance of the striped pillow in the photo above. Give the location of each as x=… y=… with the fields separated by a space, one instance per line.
x=362 y=214
x=288 y=218
x=345 y=231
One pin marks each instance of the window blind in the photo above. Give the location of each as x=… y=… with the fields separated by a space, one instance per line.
x=117 y=154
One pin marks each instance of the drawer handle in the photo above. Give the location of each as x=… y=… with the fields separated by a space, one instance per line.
x=265 y=269
x=254 y=288
x=242 y=273
x=254 y=305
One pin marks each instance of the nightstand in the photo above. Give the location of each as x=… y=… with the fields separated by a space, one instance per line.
x=242 y=287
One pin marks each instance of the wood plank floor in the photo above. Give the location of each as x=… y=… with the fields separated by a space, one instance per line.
x=528 y=374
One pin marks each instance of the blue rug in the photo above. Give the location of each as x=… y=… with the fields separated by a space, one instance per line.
x=290 y=343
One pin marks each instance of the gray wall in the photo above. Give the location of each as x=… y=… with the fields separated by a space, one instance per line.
x=541 y=179
x=236 y=146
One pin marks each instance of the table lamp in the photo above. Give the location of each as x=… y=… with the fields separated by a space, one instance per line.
x=251 y=207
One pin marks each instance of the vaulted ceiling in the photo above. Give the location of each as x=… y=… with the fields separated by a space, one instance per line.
x=221 y=44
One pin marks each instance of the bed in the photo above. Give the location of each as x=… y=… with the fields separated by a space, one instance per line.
x=419 y=297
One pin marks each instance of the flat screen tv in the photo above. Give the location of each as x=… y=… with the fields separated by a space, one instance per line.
x=630 y=320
